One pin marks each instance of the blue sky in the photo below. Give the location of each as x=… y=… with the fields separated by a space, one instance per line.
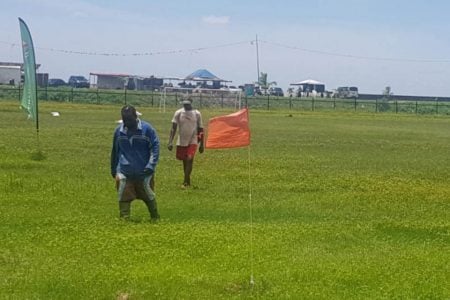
x=369 y=44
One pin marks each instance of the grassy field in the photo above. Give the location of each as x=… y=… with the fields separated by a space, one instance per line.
x=345 y=206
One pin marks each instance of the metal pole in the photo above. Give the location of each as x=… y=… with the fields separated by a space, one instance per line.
x=37 y=113
x=257 y=57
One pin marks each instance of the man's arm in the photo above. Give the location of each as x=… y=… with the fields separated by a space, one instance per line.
x=154 y=152
x=114 y=155
x=201 y=138
x=173 y=130
x=200 y=133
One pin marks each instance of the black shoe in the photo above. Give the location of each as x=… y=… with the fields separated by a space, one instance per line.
x=154 y=217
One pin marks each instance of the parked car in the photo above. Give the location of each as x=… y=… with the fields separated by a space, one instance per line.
x=78 y=82
x=276 y=91
x=55 y=82
x=346 y=92
x=258 y=91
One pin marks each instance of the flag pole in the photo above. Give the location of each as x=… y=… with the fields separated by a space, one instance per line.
x=37 y=115
x=233 y=131
x=252 y=281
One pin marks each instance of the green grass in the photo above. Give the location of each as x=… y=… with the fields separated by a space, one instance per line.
x=345 y=206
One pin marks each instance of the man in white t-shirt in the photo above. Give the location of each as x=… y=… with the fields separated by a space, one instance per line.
x=190 y=134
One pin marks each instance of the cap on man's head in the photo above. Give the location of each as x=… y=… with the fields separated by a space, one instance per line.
x=186 y=100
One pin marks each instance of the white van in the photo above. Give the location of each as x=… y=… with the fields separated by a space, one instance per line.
x=347 y=92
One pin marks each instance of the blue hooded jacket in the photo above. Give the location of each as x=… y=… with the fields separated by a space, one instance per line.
x=133 y=152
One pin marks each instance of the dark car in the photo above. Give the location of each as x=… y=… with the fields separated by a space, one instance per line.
x=276 y=91
x=78 y=82
x=55 y=82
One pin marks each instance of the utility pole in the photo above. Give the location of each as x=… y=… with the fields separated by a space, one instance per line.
x=257 y=57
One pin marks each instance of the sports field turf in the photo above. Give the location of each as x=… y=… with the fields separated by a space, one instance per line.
x=344 y=206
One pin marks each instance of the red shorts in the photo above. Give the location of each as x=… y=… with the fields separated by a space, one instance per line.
x=187 y=152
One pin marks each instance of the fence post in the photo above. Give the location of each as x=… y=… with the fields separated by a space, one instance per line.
x=268 y=102
x=20 y=92
x=334 y=103
x=125 y=95
x=437 y=106
x=416 y=107
x=152 y=97
x=376 y=105
x=71 y=95
x=98 y=100
x=355 y=104
x=396 y=106
x=246 y=100
x=313 y=106
x=221 y=100
x=290 y=103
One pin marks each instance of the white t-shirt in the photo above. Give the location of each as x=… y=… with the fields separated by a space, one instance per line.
x=188 y=122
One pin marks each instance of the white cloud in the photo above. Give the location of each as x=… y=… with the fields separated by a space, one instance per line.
x=216 y=20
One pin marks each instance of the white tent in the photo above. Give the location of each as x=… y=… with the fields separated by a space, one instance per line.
x=308 y=81
x=311 y=85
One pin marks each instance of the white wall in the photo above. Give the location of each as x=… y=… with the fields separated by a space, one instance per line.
x=8 y=73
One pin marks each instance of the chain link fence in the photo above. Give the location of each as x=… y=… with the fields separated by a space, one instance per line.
x=159 y=99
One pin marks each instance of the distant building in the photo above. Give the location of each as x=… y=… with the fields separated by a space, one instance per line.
x=109 y=81
x=120 y=81
x=42 y=79
x=11 y=73
x=205 y=79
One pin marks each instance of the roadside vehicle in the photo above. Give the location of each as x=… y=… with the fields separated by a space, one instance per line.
x=346 y=92
x=55 y=82
x=78 y=82
x=276 y=91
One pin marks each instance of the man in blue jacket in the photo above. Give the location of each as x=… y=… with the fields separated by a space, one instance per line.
x=134 y=156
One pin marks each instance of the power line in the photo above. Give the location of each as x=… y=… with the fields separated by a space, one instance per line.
x=321 y=52
x=160 y=52
x=280 y=45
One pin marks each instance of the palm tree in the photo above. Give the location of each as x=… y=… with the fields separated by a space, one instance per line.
x=263 y=83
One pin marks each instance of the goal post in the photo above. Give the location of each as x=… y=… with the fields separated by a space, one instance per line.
x=202 y=97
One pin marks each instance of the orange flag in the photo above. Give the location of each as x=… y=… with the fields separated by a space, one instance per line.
x=229 y=131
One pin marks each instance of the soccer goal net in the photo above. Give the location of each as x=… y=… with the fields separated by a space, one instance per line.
x=202 y=97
